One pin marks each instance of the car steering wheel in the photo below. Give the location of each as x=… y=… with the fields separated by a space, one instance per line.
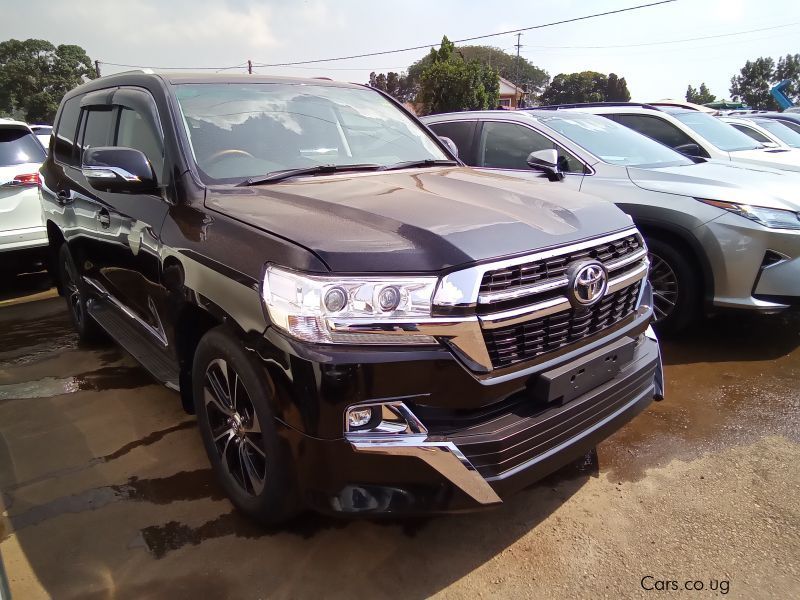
x=229 y=152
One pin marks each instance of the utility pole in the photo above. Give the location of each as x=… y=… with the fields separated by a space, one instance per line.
x=516 y=71
x=97 y=67
x=249 y=67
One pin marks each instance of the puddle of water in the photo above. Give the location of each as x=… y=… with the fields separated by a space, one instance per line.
x=148 y=440
x=182 y=486
x=104 y=378
x=730 y=382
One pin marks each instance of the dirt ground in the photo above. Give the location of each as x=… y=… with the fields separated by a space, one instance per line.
x=106 y=491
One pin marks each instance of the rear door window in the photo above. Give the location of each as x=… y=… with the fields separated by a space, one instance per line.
x=65 y=133
x=18 y=147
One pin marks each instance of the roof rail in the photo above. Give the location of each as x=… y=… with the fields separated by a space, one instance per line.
x=591 y=105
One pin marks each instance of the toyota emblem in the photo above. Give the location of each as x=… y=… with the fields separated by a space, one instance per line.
x=588 y=282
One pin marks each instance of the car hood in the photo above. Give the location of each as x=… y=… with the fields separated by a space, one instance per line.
x=418 y=220
x=779 y=158
x=726 y=181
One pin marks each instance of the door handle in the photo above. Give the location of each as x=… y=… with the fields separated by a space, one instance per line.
x=63 y=197
x=104 y=218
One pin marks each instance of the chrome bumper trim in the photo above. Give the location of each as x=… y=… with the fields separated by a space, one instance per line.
x=443 y=457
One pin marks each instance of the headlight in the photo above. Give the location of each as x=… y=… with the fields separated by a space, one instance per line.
x=309 y=307
x=774 y=218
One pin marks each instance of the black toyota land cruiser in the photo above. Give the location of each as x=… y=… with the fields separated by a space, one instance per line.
x=361 y=324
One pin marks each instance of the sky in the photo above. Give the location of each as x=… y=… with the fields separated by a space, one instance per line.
x=220 y=33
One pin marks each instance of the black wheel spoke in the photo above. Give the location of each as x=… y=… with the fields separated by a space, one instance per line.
x=235 y=426
x=251 y=477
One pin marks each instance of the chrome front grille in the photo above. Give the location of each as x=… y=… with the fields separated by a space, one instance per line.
x=530 y=339
x=540 y=276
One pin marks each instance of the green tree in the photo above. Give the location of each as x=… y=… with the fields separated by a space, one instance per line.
x=753 y=83
x=701 y=96
x=35 y=75
x=525 y=74
x=788 y=67
x=617 y=89
x=396 y=84
x=587 y=86
x=450 y=83
x=519 y=71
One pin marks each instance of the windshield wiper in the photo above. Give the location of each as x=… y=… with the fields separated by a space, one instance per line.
x=276 y=176
x=410 y=164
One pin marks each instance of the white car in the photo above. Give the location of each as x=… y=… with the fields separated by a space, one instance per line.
x=769 y=132
x=21 y=226
x=694 y=133
x=43 y=133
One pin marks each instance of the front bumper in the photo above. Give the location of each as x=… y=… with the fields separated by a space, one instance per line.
x=754 y=267
x=470 y=459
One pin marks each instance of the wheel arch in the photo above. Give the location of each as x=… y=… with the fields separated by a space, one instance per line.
x=689 y=244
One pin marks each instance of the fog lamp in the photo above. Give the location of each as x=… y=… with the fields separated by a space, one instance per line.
x=358 y=417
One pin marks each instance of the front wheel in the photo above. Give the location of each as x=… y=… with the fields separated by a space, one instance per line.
x=676 y=291
x=74 y=290
x=238 y=428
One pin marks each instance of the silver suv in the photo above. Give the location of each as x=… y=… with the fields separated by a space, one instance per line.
x=695 y=133
x=726 y=233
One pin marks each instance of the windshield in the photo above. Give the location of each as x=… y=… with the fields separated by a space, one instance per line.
x=614 y=143
x=788 y=136
x=722 y=135
x=238 y=131
x=18 y=146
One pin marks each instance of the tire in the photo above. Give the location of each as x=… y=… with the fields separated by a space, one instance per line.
x=676 y=287
x=74 y=291
x=238 y=430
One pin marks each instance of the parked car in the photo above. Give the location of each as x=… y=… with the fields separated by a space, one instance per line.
x=787 y=118
x=695 y=133
x=768 y=132
x=43 y=133
x=720 y=235
x=22 y=233
x=361 y=324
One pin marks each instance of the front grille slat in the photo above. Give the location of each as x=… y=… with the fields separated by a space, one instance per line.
x=526 y=341
x=509 y=278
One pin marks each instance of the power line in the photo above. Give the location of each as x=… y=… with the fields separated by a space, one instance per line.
x=469 y=39
x=695 y=39
x=384 y=52
x=239 y=66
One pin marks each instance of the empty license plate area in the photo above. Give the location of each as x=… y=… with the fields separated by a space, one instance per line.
x=574 y=379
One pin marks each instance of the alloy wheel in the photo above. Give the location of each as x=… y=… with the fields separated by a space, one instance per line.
x=665 y=287
x=235 y=428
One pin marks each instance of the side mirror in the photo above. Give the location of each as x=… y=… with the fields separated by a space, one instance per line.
x=546 y=161
x=690 y=149
x=120 y=170
x=451 y=145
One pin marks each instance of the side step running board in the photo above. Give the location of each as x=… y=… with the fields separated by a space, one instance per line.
x=125 y=332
